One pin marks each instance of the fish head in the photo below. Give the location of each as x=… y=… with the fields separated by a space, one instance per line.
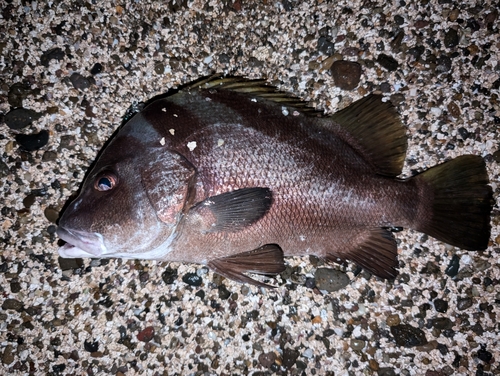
x=129 y=205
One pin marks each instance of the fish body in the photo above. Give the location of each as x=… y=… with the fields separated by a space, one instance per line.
x=232 y=174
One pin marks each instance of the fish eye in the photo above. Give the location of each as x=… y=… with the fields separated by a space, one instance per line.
x=105 y=181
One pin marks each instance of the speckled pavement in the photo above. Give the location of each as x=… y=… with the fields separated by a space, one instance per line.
x=72 y=69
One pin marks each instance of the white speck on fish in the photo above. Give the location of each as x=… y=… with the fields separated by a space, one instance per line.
x=172 y=131
x=191 y=145
x=175 y=115
x=162 y=141
x=220 y=142
x=302 y=238
x=296 y=113
x=207 y=99
x=284 y=111
x=253 y=100
x=164 y=109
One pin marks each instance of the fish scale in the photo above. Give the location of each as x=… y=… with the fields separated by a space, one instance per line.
x=235 y=175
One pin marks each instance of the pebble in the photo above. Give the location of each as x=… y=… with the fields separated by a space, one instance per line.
x=289 y=357
x=17 y=93
x=408 y=336
x=52 y=54
x=453 y=266
x=325 y=46
x=91 y=347
x=346 y=74
x=70 y=263
x=8 y=355
x=393 y=320
x=96 y=69
x=20 y=118
x=80 y=82
x=387 y=62
x=357 y=344
x=32 y=142
x=464 y=303
x=451 y=38
x=192 y=279
x=169 y=276
x=330 y=279
x=440 y=305
x=146 y=334
x=267 y=359
x=13 y=304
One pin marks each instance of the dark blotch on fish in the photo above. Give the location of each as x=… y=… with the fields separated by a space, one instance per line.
x=235 y=175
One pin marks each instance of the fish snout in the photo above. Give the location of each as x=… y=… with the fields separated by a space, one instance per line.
x=80 y=243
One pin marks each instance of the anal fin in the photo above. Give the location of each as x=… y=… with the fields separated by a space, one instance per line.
x=266 y=260
x=376 y=251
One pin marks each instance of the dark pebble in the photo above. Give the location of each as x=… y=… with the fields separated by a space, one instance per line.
x=17 y=93
x=408 y=336
x=49 y=156
x=96 y=69
x=223 y=292
x=441 y=323
x=484 y=355
x=159 y=68
x=444 y=64
x=20 y=118
x=441 y=305
x=169 y=276
x=453 y=266
x=70 y=263
x=399 y=20
x=267 y=359
x=464 y=303
x=496 y=156
x=15 y=287
x=4 y=169
x=346 y=74
x=13 y=304
x=51 y=214
x=325 y=46
x=464 y=133
x=330 y=279
x=91 y=346
x=79 y=82
x=224 y=59
x=386 y=371
x=146 y=335
x=52 y=54
x=31 y=142
x=143 y=277
x=29 y=200
x=58 y=368
x=451 y=38
x=192 y=279
x=387 y=62
x=289 y=357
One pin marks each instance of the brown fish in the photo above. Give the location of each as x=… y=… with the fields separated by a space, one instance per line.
x=232 y=174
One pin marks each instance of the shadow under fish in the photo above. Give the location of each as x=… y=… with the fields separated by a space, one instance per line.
x=233 y=174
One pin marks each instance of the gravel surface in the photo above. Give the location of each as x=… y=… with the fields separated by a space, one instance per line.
x=69 y=71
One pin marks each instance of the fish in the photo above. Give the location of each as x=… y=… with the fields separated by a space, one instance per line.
x=233 y=174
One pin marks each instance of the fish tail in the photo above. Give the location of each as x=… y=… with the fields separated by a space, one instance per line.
x=459 y=203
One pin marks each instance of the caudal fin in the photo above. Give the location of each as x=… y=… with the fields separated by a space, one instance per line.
x=461 y=203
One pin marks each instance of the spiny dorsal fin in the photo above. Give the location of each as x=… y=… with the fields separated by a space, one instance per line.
x=377 y=130
x=254 y=88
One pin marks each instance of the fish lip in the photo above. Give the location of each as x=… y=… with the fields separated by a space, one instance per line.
x=80 y=243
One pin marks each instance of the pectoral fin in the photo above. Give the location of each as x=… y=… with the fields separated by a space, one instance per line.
x=266 y=260
x=376 y=251
x=231 y=211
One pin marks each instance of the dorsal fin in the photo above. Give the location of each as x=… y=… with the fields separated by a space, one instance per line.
x=254 y=88
x=377 y=132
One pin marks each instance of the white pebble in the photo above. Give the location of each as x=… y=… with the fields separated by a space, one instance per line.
x=191 y=145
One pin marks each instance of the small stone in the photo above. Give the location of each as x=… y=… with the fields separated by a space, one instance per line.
x=454 y=110
x=146 y=335
x=169 y=276
x=96 y=69
x=31 y=142
x=387 y=62
x=357 y=344
x=408 y=336
x=51 y=214
x=393 y=320
x=91 y=347
x=192 y=279
x=464 y=303
x=52 y=54
x=49 y=156
x=224 y=59
x=484 y=355
x=267 y=359
x=325 y=46
x=496 y=157
x=79 y=82
x=8 y=355
x=440 y=305
x=346 y=74
x=441 y=323
x=13 y=304
x=67 y=264
x=330 y=279
x=451 y=38
x=17 y=92
x=29 y=200
x=159 y=68
x=20 y=118
x=290 y=357
x=453 y=266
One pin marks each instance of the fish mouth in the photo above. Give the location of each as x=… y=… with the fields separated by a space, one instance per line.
x=80 y=244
